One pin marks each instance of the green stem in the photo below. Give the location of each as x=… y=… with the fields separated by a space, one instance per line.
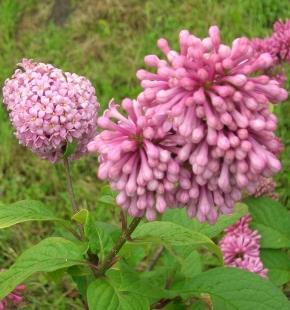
x=110 y=258
x=71 y=194
x=70 y=186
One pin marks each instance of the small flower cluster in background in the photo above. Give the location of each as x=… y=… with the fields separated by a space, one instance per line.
x=14 y=299
x=241 y=247
x=266 y=187
x=198 y=135
x=278 y=46
x=50 y=108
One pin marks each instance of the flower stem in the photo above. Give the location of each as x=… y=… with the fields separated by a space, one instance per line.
x=70 y=186
x=111 y=257
x=155 y=258
x=71 y=195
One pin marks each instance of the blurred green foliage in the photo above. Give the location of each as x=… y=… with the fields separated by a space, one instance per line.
x=106 y=42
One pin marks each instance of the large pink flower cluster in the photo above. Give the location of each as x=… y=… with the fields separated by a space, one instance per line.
x=138 y=162
x=13 y=300
x=241 y=247
x=50 y=108
x=215 y=97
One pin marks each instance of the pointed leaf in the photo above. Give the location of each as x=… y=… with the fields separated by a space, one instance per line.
x=49 y=255
x=174 y=235
x=272 y=220
x=103 y=295
x=278 y=264
x=233 y=288
x=23 y=211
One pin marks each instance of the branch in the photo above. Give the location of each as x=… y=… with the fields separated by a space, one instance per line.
x=111 y=257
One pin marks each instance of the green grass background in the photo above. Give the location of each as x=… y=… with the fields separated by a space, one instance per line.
x=104 y=40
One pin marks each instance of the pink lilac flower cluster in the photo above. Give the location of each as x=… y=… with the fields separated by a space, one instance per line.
x=50 y=108
x=199 y=134
x=241 y=247
x=217 y=99
x=13 y=300
x=278 y=46
x=137 y=160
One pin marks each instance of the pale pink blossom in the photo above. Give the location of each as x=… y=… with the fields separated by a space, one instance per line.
x=50 y=108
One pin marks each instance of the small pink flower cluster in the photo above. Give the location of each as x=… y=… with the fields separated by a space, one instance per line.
x=266 y=187
x=207 y=109
x=278 y=46
x=12 y=300
x=241 y=247
x=50 y=108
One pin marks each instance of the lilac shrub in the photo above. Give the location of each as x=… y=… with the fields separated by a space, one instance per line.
x=200 y=136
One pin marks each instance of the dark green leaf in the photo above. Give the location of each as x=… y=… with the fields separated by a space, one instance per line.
x=103 y=295
x=23 y=211
x=278 y=263
x=233 y=288
x=49 y=255
x=272 y=220
x=100 y=241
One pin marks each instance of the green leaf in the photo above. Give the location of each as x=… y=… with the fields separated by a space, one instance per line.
x=174 y=235
x=100 y=241
x=179 y=217
x=272 y=220
x=191 y=265
x=278 y=263
x=103 y=295
x=81 y=216
x=233 y=288
x=70 y=149
x=143 y=284
x=49 y=255
x=23 y=211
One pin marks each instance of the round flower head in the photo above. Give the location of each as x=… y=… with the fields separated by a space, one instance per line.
x=50 y=108
x=137 y=160
x=215 y=97
x=241 y=247
x=12 y=300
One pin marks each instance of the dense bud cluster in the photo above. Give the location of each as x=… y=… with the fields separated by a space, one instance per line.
x=241 y=247
x=216 y=98
x=50 y=108
x=136 y=160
